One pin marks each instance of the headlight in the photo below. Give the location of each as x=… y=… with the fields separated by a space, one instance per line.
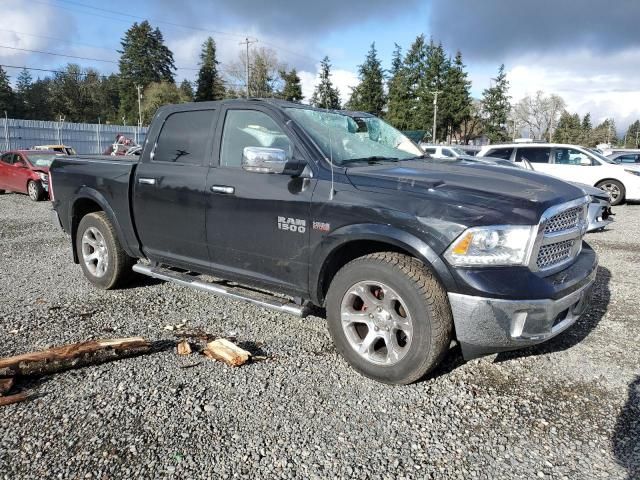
x=43 y=176
x=633 y=172
x=496 y=245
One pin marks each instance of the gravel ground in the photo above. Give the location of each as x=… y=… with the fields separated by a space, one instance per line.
x=566 y=409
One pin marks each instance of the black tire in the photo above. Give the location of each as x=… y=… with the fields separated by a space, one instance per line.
x=118 y=270
x=1 y=192
x=35 y=190
x=422 y=295
x=611 y=186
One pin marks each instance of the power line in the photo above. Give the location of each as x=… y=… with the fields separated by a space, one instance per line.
x=173 y=24
x=76 y=57
x=59 y=40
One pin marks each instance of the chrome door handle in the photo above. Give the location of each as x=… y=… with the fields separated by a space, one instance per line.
x=147 y=181
x=223 y=189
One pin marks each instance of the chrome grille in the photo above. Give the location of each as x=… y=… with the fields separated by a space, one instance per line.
x=560 y=234
x=564 y=220
x=554 y=253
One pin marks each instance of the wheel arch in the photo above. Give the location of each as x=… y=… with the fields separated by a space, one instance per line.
x=351 y=242
x=90 y=201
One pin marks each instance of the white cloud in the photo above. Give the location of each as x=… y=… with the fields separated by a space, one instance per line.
x=344 y=80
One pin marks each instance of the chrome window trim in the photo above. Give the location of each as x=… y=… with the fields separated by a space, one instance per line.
x=551 y=238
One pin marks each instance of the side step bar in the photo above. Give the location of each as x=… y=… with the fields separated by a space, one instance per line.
x=237 y=293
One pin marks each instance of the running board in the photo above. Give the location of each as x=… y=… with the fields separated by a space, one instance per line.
x=237 y=293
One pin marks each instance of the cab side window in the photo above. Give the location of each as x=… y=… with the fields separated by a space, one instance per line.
x=184 y=138
x=570 y=156
x=250 y=128
x=430 y=151
x=447 y=153
x=533 y=154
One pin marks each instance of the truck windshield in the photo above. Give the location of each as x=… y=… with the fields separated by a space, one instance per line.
x=349 y=139
x=41 y=159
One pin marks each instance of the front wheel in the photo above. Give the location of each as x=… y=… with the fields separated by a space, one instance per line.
x=389 y=317
x=35 y=190
x=615 y=189
x=103 y=260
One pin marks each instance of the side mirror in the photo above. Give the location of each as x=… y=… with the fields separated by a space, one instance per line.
x=585 y=162
x=264 y=160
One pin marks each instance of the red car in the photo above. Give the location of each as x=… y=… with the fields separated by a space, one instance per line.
x=26 y=171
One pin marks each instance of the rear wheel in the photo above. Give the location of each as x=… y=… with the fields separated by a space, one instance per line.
x=35 y=190
x=103 y=260
x=615 y=189
x=389 y=317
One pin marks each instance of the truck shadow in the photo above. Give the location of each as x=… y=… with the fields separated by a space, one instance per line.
x=626 y=436
x=576 y=333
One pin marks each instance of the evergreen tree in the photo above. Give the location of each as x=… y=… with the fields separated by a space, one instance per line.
x=325 y=94
x=633 y=135
x=144 y=59
x=368 y=96
x=399 y=96
x=261 y=76
x=413 y=88
x=209 y=85
x=569 y=129
x=158 y=94
x=187 y=90
x=586 y=129
x=455 y=103
x=23 y=85
x=292 y=90
x=39 y=100
x=603 y=133
x=436 y=68
x=110 y=98
x=7 y=97
x=496 y=108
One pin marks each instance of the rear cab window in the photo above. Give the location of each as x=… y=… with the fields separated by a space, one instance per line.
x=185 y=137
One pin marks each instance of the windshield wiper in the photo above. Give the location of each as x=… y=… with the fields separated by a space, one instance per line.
x=371 y=160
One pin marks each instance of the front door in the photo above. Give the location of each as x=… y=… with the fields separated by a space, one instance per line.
x=6 y=171
x=170 y=190
x=258 y=224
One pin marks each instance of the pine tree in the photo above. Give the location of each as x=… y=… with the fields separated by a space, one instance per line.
x=436 y=67
x=144 y=59
x=187 y=90
x=23 y=85
x=368 y=96
x=39 y=99
x=569 y=129
x=495 y=103
x=604 y=133
x=261 y=77
x=209 y=85
x=399 y=96
x=7 y=97
x=455 y=103
x=633 y=134
x=414 y=71
x=586 y=129
x=292 y=90
x=325 y=94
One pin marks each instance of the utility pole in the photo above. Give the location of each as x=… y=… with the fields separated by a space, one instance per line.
x=435 y=113
x=247 y=42
x=637 y=130
x=138 y=88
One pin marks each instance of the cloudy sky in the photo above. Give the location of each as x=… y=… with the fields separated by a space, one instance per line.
x=587 y=51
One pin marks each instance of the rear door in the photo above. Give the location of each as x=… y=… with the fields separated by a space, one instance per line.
x=258 y=224
x=170 y=194
x=6 y=170
x=575 y=165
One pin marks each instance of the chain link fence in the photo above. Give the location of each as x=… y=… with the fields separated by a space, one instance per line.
x=85 y=138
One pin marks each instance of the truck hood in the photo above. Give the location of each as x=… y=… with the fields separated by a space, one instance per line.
x=486 y=192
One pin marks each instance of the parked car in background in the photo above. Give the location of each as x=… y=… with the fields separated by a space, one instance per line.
x=575 y=164
x=625 y=157
x=63 y=149
x=26 y=171
x=443 y=151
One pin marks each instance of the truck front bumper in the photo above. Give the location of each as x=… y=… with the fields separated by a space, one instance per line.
x=490 y=325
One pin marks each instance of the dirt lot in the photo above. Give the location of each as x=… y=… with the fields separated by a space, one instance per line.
x=566 y=409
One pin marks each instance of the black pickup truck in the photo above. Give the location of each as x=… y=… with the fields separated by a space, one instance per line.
x=287 y=206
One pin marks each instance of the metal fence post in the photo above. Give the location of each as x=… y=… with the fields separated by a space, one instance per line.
x=6 y=131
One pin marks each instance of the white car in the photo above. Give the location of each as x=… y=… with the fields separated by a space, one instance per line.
x=444 y=151
x=574 y=164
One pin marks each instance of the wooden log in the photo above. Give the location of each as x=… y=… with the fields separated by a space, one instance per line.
x=72 y=356
x=18 y=397
x=5 y=385
x=184 y=348
x=227 y=352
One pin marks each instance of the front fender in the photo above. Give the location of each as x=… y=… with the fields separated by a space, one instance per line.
x=375 y=233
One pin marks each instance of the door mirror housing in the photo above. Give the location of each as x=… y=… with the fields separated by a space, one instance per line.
x=585 y=162
x=269 y=160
